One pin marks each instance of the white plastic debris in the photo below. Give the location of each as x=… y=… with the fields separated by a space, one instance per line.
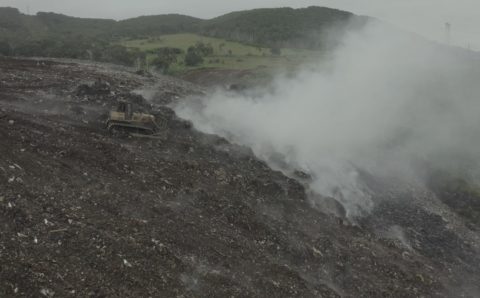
x=47 y=292
x=126 y=263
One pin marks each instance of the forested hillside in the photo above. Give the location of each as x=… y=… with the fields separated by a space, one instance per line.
x=56 y=35
x=282 y=27
x=156 y=25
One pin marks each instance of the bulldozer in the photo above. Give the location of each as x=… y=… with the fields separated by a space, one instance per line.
x=124 y=120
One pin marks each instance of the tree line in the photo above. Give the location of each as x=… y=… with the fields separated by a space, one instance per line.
x=55 y=35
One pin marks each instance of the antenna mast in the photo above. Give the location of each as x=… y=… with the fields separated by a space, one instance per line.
x=448 y=33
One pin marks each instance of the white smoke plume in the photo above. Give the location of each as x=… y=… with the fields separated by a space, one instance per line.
x=387 y=103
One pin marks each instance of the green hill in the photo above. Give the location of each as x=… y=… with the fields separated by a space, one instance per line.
x=13 y=24
x=56 y=35
x=263 y=27
x=156 y=25
x=58 y=24
x=282 y=27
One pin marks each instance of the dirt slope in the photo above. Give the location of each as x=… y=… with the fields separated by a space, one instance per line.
x=85 y=214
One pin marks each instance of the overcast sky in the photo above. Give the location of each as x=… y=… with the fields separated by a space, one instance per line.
x=425 y=17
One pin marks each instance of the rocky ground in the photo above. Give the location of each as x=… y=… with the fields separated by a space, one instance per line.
x=87 y=214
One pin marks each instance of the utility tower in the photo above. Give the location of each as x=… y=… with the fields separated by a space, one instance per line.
x=448 y=33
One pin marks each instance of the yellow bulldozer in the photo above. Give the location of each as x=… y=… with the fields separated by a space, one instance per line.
x=125 y=121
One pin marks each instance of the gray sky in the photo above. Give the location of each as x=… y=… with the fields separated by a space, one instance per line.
x=425 y=17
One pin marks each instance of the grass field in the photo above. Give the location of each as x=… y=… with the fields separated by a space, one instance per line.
x=226 y=55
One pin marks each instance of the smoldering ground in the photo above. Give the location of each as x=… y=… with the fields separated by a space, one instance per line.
x=388 y=104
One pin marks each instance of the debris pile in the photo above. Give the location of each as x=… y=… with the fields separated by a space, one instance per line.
x=85 y=214
x=98 y=88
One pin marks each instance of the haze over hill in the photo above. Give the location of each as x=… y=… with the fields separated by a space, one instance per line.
x=425 y=17
x=261 y=26
x=56 y=35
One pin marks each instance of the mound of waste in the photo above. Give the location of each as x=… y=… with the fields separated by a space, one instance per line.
x=83 y=213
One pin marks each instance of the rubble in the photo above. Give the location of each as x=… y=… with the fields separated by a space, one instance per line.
x=98 y=88
x=188 y=215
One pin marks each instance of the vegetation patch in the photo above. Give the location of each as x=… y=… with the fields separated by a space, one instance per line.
x=195 y=51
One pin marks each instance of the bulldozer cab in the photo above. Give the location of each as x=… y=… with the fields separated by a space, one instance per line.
x=125 y=108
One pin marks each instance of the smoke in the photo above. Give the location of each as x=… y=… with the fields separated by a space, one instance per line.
x=387 y=103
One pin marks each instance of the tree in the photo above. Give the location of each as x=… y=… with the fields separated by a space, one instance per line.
x=165 y=57
x=196 y=53
x=118 y=54
x=193 y=58
x=220 y=47
x=203 y=49
x=4 y=48
x=276 y=51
